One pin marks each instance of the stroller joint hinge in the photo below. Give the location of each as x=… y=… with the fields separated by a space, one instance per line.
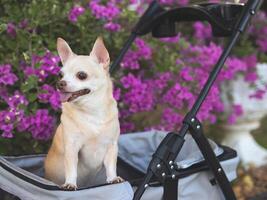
x=195 y=128
x=194 y=124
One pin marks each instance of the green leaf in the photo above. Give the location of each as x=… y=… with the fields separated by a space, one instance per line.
x=3 y=27
x=31 y=83
x=32 y=97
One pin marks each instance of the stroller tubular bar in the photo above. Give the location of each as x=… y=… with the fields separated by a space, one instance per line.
x=126 y=46
x=196 y=130
x=212 y=161
x=199 y=137
x=161 y=165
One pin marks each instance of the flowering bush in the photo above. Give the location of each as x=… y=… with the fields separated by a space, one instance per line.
x=157 y=84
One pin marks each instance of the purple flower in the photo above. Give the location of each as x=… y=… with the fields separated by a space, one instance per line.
x=7 y=116
x=29 y=71
x=50 y=95
x=11 y=30
x=7 y=130
x=7 y=77
x=183 y=2
x=117 y=94
x=211 y=105
x=175 y=39
x=144 y=49
x=23 y=24
x=167 y=2
x=133 y=57
x=258 y=30
x=236 y=65
x=113 y=27
x=179 y=2
x=261 y=41
x=24 y=123
x=206 y=55
x=75 y=12
x=202 y=31
x=259 y=94
x=3 y=92
x=233 y=66
x=41 y=125
x=171 y=96
x=48 y=65
x=138 y=96
x=171 y=119
x=251 y=61
x=232 y=119
x=16 y=100
x=126 y=127
x=161 y=80
x=185 y=74
x=236 y=112
x=251 y=77
x=107 y=12
x=130 y=60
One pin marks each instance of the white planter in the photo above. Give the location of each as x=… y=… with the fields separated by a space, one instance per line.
x=238 y=136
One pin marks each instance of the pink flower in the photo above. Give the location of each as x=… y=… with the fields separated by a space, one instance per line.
x=185 y=74
x=113 y=27
x=236 y=112
x=11 y=30
x=251 y=77
x=133 y=57
x=107 y=12
x=50 y=95
x=202 y=31
x=7 y=130
x=75 y=12
x=259 y=94
x=7 y=77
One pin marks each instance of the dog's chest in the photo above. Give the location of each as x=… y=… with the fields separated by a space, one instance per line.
x=85 y=125
x=89 y=125
x=94 y=132
x=93 y=152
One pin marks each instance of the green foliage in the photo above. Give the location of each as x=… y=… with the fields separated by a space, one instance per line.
x=46 y=21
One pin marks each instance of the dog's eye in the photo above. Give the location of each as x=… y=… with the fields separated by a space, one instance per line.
x=81 y=75
x=61 y=75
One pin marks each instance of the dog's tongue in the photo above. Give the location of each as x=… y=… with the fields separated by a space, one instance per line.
x=64 y=97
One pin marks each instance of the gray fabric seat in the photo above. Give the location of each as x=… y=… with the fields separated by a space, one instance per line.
x=22 y=176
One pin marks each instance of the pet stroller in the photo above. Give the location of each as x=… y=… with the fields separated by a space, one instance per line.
x=154 y=161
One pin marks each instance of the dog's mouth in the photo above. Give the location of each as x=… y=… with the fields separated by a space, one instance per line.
x=70 y=96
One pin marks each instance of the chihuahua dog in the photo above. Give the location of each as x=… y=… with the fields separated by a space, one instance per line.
x=87 y=138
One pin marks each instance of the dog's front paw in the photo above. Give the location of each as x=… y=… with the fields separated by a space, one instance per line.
x=69 y=187
x=118 y=179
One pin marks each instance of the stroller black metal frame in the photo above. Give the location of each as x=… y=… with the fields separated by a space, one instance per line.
x=227 y=20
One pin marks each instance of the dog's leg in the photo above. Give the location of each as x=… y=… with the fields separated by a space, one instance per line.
x=71 y=150
x=110 y=162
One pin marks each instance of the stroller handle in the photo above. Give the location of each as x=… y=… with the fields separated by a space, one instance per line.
x=161 y=22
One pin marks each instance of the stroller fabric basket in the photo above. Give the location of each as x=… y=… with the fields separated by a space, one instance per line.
x=22 y=176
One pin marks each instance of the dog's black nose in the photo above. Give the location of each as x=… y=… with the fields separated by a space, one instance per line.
x=61 y=85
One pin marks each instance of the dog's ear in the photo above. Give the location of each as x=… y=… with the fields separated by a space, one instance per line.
x=64 y=50
x=100 y=53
